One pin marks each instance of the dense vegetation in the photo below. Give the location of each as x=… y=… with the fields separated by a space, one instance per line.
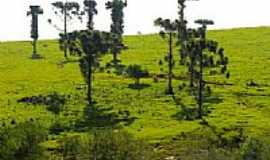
x=237 y=125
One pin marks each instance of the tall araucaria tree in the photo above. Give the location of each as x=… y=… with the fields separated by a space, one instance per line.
x=91 y=44
x=168 y=32
x=90 y=9
x=34 y=12
x=66 y=13
x=182 y=31
x=207 y=56
x=117 y=26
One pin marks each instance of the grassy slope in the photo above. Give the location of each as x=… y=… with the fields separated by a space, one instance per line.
x=248 y=50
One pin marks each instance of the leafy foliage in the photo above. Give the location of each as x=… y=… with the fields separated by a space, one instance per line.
x=107 y=145
x=21 y=141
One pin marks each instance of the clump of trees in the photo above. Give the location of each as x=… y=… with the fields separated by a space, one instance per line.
x=198 y=53
x=117 y=26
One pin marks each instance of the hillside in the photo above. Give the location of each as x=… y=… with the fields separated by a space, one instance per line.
x=148 y=113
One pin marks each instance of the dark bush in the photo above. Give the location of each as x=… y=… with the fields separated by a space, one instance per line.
x=135 y=71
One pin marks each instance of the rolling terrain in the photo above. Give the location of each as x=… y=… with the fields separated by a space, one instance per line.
x=240 y=107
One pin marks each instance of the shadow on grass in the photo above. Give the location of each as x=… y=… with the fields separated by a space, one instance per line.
x=118 y=68
x=61 y=64
x=213 y=100
x=138 y=86
x=190 y=113
x=97 y=117
x=186 y=113
x=246 y=94
x=67 y=61
x=54 y=101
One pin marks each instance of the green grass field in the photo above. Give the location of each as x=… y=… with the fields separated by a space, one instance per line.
x=153 y=115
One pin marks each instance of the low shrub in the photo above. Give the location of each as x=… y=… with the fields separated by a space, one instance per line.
x=106 y=145
x=21 y=141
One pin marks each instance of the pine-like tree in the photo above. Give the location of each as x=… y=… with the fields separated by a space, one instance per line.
x=91 y=44
x=90 y=9
x=117 y=26
x=66 y=12
x=182 y=31
x=34 y=12
x=168 y=32
x=206 y=55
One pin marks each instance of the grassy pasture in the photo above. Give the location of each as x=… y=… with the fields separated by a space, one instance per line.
x=151 y=114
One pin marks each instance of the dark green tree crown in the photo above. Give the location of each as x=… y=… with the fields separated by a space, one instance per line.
x=69 y=6
x=90 y=9
x=34 y=11
x=213 y=55
x=90 y=5
x=72 y=10
x=167 y=26
x=117 y=15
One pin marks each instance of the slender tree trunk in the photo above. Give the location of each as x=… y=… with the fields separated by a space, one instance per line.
x=115 y=57
x=170 y=59
x=182 y=36
x=200 y=102
x=201 y=82
x=191 y=73
x=34 y=55
x=89 y=92
x=65 y=30
x=90 y=21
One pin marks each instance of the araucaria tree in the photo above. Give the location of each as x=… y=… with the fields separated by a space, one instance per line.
x=182 y=31
x=66 y=12
x=34 y=12
x=168 y=31
x=91 y=44
x=117 y=26
x=90 y=9
x=207 y=57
